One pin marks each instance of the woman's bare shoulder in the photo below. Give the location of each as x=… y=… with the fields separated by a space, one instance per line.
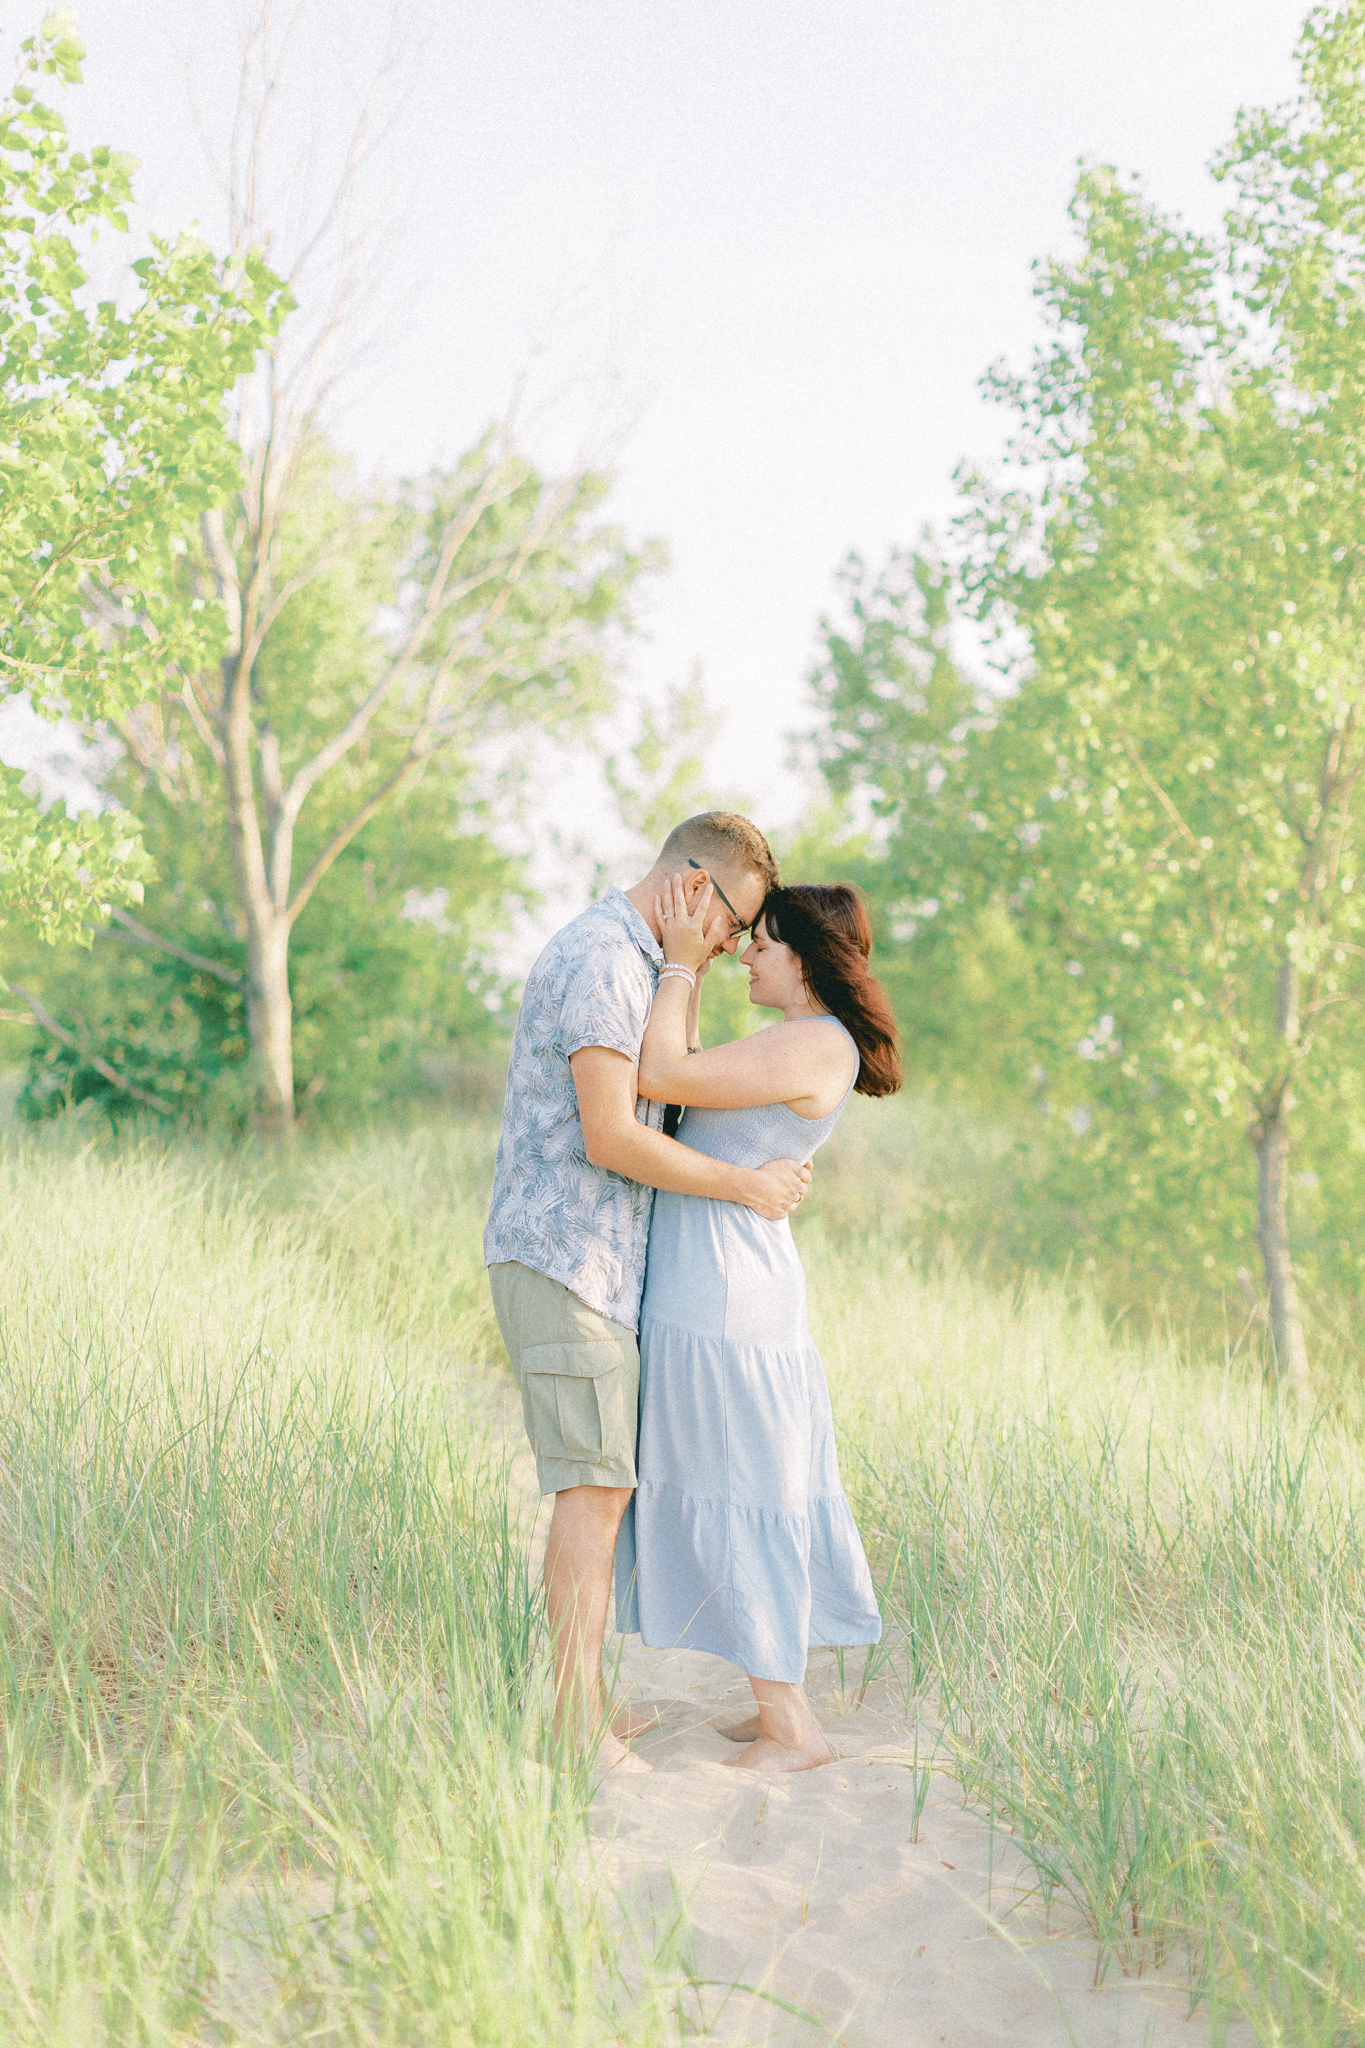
x=821 y=1044
x=826 y=1035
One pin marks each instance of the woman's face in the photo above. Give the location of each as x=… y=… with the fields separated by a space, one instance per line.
x=775 y=978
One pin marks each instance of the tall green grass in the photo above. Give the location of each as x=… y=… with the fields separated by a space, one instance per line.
x=271 y=1664
x=270 y=1656
x=1133 y=1586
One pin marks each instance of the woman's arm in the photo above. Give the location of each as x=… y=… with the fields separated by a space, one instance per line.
x=694 y=1010
x=792 y=1063
x=691 y=1031
x=604 y=1082
x=789 y=1063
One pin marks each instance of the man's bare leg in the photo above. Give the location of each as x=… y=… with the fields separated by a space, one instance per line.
x=578 y=1573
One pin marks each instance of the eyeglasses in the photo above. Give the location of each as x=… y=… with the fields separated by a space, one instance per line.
x=740 y=925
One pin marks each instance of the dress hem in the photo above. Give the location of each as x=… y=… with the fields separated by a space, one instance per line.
x=856 y=1642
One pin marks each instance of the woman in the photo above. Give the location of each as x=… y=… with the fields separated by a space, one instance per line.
x=740 y=1540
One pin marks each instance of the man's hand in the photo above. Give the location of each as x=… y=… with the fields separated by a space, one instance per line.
x=605 y=1084
x=778 y=1187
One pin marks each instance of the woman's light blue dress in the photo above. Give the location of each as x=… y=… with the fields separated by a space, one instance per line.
x=739 y=1540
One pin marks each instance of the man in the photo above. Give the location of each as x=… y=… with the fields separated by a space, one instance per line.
x=578 y=1161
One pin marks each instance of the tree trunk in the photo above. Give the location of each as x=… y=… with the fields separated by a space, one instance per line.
x=268 y=1008
x=270 y=1023
x=1270 y=1137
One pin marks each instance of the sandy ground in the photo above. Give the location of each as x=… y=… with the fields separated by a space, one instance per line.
x=813 y=1894
x=813 y=1891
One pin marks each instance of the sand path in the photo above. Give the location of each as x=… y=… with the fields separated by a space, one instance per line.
x=813 y=1889
x=812 y=1892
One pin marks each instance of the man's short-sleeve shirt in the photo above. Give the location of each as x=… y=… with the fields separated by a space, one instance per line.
x=552 y=1209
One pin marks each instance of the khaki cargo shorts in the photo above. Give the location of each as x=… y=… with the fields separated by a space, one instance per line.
x=579 y=1377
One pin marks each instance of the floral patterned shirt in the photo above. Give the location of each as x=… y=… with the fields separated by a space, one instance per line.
x=552 y=1209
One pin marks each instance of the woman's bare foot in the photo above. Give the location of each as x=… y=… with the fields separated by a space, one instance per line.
x=784 y=1735
x=767 y=1754
x=742 y=1731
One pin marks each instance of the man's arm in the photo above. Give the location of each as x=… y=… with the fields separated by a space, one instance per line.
x=605 y=1084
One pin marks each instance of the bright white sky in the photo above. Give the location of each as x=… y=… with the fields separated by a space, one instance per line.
x=802 y=229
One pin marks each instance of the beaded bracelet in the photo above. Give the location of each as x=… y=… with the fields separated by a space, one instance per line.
x=679 y=972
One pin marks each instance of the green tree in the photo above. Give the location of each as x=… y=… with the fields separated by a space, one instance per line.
x=508 y=586
x=898 y=718
x=112 y=441
x=505 y=585
x=494 y=591
x=393 y=960
x=1166 y=809
x=394 y=973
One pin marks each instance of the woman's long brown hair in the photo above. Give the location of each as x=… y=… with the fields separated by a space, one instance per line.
x=826 y=927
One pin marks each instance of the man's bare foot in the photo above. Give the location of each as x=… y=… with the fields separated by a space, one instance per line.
x=742 y=1731
x=769 y=1755
x=641 y=1719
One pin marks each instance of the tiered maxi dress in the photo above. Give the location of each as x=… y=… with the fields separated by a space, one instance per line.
x=739 y=1540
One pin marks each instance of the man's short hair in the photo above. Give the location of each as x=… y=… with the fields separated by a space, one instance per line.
x=722 y=840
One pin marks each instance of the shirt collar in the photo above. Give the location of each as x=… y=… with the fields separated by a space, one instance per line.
x=630 y=917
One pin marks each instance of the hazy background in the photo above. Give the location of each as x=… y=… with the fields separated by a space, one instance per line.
x=790 y=238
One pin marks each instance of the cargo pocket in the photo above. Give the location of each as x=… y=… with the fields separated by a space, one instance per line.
x=573 y=1403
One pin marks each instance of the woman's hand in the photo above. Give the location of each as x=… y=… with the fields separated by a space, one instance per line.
x=688 y=937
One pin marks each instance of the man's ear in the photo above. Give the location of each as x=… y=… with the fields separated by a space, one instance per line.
x=694 y=881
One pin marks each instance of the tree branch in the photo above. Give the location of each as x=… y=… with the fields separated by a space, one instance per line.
x=226 y=574
x=1172 y=811
x=341 y=742
x=281 y=598
x=199 y=720
x=341 y=840
x=143 y=937
x=102 y=1067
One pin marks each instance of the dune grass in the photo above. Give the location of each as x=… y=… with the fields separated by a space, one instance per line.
x=271 y=1662
x=1130 y=1582
x=270 y=1658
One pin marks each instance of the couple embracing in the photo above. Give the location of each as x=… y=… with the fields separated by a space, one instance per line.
x=696 y=1460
